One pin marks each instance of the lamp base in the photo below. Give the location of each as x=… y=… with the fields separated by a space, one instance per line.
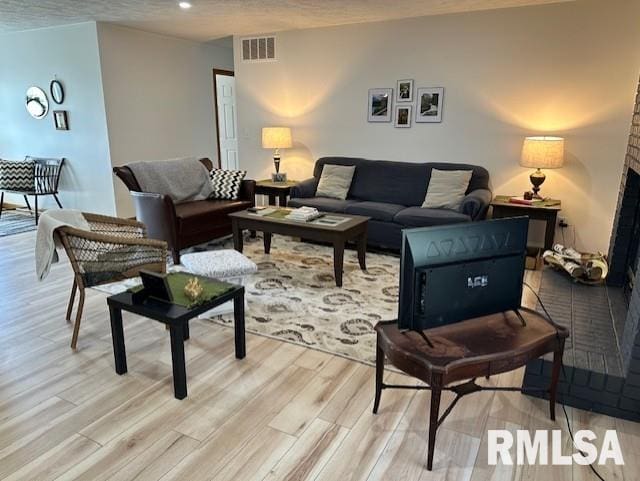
x=537 y=179
x=276 y=162
x=279 y=177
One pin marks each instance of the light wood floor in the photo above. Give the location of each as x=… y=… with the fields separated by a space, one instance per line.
x=283 y=413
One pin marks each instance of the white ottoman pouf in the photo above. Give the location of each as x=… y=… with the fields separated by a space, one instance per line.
x=227 y=265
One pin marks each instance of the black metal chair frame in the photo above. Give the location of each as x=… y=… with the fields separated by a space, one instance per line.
x=46 y=178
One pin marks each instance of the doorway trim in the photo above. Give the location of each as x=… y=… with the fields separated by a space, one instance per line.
x=228 y=73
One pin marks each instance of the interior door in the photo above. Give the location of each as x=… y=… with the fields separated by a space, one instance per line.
x=227 y=120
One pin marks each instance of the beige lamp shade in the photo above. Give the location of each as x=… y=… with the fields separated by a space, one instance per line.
x=276 y=138
x=542 y=152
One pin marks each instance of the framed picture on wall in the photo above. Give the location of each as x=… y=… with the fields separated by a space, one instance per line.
x=379 y=108
x=403 y=116
x=429 y=108
x=404 y=91
x=60 y=120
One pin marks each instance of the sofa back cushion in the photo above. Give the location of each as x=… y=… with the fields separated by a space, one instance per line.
x=403 y=183
x=447 y=188
x=335 y=181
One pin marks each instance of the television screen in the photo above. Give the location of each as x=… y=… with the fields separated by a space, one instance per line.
x=457 y=272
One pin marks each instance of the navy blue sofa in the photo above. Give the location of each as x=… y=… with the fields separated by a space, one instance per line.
x=391 y=193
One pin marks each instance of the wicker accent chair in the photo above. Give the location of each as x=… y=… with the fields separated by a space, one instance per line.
x=43 y=179
x=113 y=250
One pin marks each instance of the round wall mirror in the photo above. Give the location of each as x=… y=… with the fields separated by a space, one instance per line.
x=57 y=91
x=36 y=102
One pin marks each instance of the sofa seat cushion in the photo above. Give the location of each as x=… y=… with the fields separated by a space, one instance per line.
x=197 y=216
x=376 y=210
x=323 y=204
x=421 y=217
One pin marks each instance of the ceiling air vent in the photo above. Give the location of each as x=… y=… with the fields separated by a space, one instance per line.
x=259 y=49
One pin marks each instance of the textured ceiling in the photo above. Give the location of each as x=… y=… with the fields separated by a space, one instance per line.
x=210 y=19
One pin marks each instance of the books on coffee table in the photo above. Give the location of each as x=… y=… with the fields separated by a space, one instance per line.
x=304 y=214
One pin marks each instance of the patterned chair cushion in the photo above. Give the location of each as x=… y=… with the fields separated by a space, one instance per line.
x=17 y=175
x=219 y=264
x=226 y=183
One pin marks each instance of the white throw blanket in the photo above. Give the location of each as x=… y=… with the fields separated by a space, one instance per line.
x=181 y=179
x=46 y=241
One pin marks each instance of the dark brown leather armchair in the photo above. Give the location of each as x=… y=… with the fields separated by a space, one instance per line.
x=189 y=223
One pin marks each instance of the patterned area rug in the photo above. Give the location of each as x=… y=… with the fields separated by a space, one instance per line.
x=15 y=222
x=293 y=297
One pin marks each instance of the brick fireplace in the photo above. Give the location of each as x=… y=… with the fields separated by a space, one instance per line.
x=603 y=352
x=624 y=256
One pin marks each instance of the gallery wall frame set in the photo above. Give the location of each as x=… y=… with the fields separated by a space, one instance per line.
x=37 y=104
x=429 y=104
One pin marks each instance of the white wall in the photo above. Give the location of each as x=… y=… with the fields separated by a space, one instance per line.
x=570 y=69
x=159 y=98
x=33 y=58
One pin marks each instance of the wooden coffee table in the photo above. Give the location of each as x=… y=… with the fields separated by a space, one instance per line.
x=354 y=228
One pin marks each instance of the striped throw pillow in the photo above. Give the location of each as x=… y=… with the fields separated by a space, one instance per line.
x=17 y=175
x=226 y=183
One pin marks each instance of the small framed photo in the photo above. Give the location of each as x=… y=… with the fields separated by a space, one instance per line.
x=60 y=119
x=403 y=116
x=429 y=108
x=404 y=91
x=379 y=109
x=279 y=177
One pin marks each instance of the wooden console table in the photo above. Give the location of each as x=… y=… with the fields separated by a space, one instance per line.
x=483 y=346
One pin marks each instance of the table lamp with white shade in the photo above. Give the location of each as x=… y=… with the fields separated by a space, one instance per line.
x=541 y=153
x=277 y=138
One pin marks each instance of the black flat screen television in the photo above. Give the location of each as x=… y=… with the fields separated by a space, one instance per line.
x=457 y=272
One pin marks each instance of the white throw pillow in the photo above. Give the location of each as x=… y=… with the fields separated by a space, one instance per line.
x=335 y=181
x=447 y=188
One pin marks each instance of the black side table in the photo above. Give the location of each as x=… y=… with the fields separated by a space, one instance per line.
x=549 y=214
x=177 y=318
x=281 y=190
